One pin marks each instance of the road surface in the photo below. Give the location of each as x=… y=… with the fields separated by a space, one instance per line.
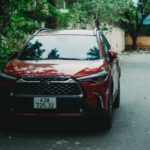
x=131 y=126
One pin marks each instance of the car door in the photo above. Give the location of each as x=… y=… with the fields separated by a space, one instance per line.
x=114 y=63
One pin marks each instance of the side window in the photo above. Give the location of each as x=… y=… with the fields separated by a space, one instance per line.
x=106 y=46
x=106 y=42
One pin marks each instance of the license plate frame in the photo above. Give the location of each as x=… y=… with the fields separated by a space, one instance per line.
x=46 y=103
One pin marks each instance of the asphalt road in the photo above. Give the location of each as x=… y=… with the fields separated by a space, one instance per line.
x=131 y=128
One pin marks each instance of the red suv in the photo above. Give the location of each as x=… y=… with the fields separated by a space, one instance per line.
x=62 y=73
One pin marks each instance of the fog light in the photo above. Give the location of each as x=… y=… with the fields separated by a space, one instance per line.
x=12 y=109
x=81 y=110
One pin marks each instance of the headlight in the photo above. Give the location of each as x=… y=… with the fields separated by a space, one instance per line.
x=97 y=77
x=5 y=76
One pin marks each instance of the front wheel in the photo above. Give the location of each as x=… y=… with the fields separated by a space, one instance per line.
x=108 y=117
x=117 y=100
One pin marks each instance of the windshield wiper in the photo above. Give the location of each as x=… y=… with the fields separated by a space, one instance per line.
x=25 y=58
x=70 y=59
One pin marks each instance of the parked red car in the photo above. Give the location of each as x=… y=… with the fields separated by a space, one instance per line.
x=62 y=73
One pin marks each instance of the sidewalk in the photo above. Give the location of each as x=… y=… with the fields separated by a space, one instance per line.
x=123 y=55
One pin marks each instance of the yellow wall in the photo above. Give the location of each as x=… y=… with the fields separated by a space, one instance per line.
x=142 y=41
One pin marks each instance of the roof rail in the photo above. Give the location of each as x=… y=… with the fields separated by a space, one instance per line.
x=39 y=30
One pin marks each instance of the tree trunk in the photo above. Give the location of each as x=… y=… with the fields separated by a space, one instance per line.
x=134 y=42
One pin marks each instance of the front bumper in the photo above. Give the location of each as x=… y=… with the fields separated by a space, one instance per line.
x=92 y=101
x=66 y=106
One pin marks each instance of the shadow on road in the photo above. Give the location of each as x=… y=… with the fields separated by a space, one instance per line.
x=73 y=126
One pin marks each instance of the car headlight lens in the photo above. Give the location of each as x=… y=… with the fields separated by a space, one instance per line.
x=97 y=77
x=6 y=76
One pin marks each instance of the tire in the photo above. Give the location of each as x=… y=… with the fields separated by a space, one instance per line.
x=108 y=117
x=117 y=100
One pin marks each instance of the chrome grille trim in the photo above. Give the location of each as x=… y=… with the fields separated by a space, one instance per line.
x=25 y=81
x=47 y=86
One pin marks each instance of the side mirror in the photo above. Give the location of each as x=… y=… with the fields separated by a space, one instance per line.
x=112 y=54
x=13 y=54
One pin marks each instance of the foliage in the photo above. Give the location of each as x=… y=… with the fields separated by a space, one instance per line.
x=20 y=18
x=124 y=13
x=106 y=12
x=135 y=18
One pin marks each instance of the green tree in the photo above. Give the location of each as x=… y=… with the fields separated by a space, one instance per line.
x=4 y=26
x=134 y=17
x=113 y=12
x=20 y=18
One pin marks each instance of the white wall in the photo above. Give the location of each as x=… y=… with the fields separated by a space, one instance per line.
x=116 y=38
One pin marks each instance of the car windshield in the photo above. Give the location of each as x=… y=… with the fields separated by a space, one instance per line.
x=67 y=47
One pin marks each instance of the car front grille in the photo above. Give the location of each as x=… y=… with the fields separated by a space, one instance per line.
x=46 y=86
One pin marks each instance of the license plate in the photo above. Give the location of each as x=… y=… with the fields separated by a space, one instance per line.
x=44 y=103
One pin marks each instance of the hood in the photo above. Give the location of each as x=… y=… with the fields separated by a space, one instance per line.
x=53 y=67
